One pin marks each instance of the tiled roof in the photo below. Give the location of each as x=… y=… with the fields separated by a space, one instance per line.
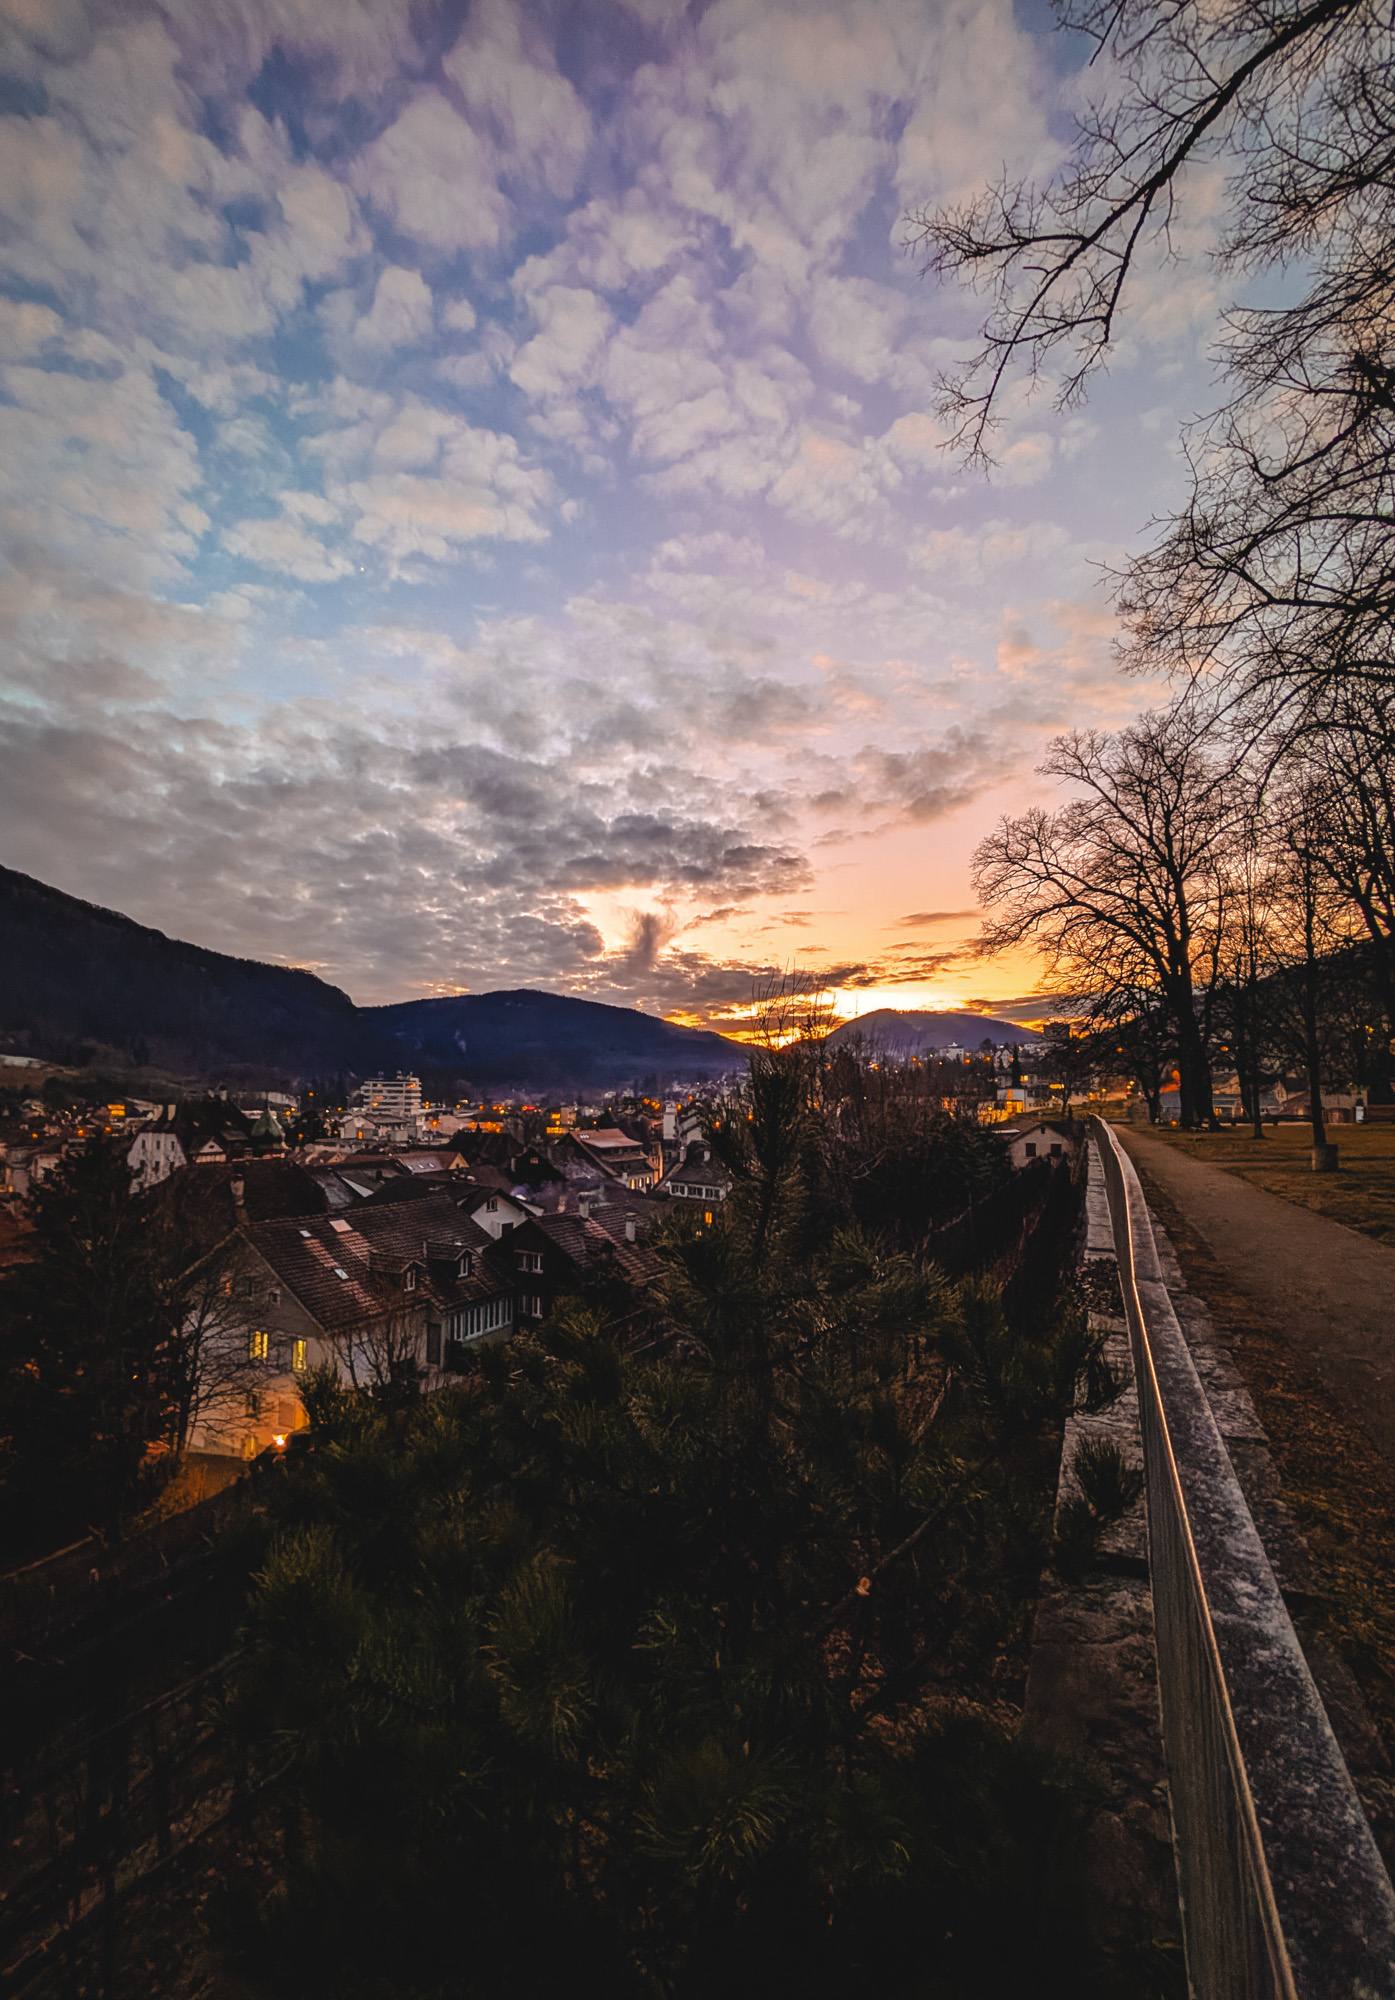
x=345 y=1271
x=698 y=1167
x=588 y=1243
x=608 y=1142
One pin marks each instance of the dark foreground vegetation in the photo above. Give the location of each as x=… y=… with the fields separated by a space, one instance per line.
x=694 y=1666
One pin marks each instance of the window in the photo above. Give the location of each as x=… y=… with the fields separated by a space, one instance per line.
x=532 y=1305
x=254 y=1405
x=409 y=1279
x=276 y=1295
x=476 y=1320
x=257 y=1345
x=433 y=1343
x=466 y=1264
x=1031 y=1150
x=1055 y=1152
x=491 y=1206
x=529 y=1260
x=298 y=1356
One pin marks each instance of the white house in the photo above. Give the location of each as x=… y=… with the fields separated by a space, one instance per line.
x=494 y=1211
x=154 y=1155
x=1044 y=1140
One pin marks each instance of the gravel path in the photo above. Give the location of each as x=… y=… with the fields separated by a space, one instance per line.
x=1327 y=1290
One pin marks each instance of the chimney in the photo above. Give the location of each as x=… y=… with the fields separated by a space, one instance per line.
x=629 y=1229
x=239 y=1191
x=561 y=1204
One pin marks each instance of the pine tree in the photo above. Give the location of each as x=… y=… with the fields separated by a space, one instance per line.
x=689 y=1671
x=84 y=1328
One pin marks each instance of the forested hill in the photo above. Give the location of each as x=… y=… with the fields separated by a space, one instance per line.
x=548 y=1041
x=79 y=983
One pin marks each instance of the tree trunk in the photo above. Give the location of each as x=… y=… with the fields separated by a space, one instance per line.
x=1313 y=1053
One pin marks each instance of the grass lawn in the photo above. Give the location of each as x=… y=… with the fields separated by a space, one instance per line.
x=1361 y=1193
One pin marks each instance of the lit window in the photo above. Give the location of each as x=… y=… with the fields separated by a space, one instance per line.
x=256 y=1347
x=298 y=1356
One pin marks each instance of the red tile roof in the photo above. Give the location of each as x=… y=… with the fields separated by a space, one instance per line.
x=345 y=1272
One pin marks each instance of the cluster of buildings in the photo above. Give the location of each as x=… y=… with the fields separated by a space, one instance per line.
x=392 y=1249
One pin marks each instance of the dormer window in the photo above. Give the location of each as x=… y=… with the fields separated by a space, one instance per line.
x=465 y=1267
x=409 y=1279
x=529 y=1260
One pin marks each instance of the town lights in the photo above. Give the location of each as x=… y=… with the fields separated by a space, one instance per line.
x=280 y=1440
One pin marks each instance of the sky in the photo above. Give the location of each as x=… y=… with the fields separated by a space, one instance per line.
x=472 y=512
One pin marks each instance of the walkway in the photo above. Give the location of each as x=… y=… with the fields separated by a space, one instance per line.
x=1326 y=1289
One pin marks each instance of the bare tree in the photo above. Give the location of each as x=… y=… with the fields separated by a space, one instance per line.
x=1124 y=890
x=1280 y=568
x=1314 y=922
x=1250 y=950
x=383 y=1355
x=1356 y=753
x=212 y=1369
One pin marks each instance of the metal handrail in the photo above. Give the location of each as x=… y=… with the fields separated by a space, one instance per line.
x=1283 y=1893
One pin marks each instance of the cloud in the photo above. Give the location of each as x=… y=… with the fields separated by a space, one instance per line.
x=288 y=544
x=437 y=483
x=400 y=315
x=96 y=465
x=922 y=920
x=572 y=328
x=580 y=348
x=509 y=80
x=435 y=177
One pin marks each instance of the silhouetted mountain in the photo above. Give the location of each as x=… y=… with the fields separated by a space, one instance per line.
x=909 y=1031
x=81 y=984
x=547 y=1041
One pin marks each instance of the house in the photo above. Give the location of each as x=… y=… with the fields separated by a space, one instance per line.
x=154 y=1155
x=391 y=1297
x=493 y=1210
x=698 y=1177
x=1047 y=1139
x=552 y=1254
x=615 y=1152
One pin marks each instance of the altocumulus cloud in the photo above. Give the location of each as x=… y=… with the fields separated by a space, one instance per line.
x=458 y=482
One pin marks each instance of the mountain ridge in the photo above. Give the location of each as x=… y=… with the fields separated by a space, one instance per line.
x=80 y=983
x=908 y=1031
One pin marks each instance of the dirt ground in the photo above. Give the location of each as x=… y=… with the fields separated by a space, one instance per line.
x=1336 y=1479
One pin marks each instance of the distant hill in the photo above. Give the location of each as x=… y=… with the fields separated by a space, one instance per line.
x=82 y=984
x=79 y=983
x=909 y=1031
x=546 y=1041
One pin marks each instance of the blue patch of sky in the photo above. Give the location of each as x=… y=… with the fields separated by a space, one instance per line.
x=20 y=97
